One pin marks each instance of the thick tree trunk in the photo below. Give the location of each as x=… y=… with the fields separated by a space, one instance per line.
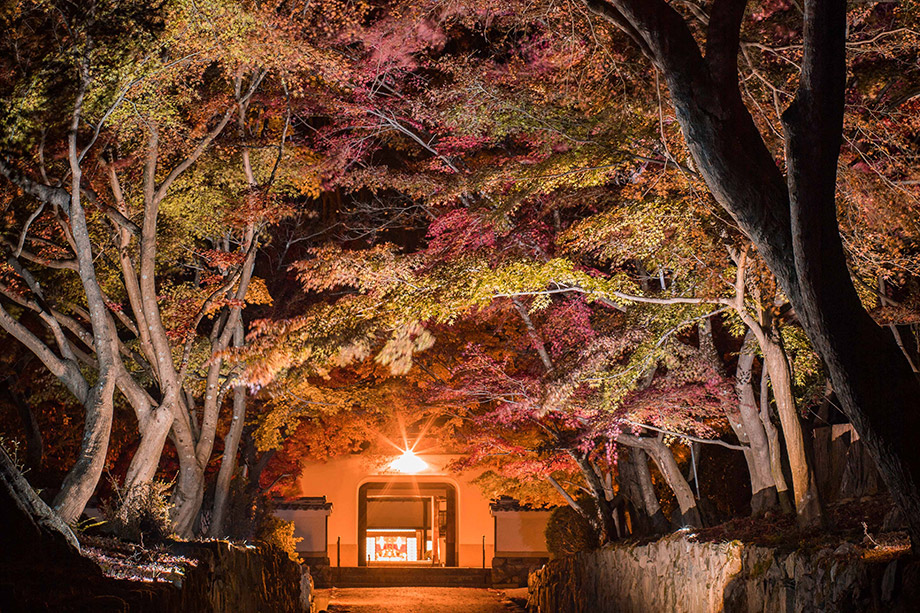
x=878 y=391
x=640 y=522
x=146 y=458
x=81 y=480
x=189 y=489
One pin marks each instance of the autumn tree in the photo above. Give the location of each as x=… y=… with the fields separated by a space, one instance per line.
x=792 y=218
x=166 y=334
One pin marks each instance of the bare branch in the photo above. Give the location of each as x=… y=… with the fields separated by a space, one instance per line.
x=689 y=437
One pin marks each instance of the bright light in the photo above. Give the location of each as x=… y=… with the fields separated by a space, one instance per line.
x=408 y=463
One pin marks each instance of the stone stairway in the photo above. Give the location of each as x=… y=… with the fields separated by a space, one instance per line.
x=405 y=576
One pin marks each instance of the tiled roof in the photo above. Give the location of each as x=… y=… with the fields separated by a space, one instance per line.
x=306 y=503
x=507 y=503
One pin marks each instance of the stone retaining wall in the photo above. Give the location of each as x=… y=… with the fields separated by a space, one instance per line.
x=240 y=579
x=513 y=571
x=677 y=575
x=224 y=578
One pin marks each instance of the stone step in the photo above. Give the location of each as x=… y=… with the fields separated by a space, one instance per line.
x=408 y=576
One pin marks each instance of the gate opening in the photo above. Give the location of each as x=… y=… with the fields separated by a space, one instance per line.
x=408 y=523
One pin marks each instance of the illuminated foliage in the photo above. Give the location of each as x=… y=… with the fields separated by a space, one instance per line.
x=446 y=212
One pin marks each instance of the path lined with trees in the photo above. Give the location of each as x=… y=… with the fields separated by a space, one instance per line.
x=576 y=243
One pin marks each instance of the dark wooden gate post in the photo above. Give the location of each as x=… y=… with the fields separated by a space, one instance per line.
x=362 y=525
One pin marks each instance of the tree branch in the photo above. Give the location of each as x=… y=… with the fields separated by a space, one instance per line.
x=566 y=496
x=56 y=196
x=603 y=9
x=689 y=437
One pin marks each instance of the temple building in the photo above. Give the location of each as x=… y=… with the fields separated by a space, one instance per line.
x=411 y=512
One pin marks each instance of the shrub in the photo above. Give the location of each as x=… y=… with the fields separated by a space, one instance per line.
x=280 y=533
x=567 y=532
x=11 y=446
x=139 y=514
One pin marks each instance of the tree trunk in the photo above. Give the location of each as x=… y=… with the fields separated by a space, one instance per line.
x=763 y=488
x=638 y=461
x=640 y=522
x=228 y=464
x=187 y=497
x=776 y=451
x=603 y=522
x=878 y=391
x=664 y=459
x=791 y=220
x=745 y=421
x=146 y=458
x=231 y=446
x=807 y=501
x=708 y=346
x=189 y=490
x=81 y=480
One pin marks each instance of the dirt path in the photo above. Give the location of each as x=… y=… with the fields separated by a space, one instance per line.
x=414 y=600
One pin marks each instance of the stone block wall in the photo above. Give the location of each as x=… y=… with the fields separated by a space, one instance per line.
x=321 y=573
x=678 y=575
x=513 y=571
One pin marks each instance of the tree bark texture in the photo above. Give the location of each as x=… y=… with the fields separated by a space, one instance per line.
x=776 y=451
x=82 y=479
x=745 y=420
x=879 y=392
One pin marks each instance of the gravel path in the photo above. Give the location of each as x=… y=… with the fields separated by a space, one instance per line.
x=414 y=600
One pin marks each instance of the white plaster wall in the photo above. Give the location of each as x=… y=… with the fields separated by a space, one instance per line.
x=521 y=533
x=310 y=525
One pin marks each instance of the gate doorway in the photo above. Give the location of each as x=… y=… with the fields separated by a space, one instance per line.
x=407 y=523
